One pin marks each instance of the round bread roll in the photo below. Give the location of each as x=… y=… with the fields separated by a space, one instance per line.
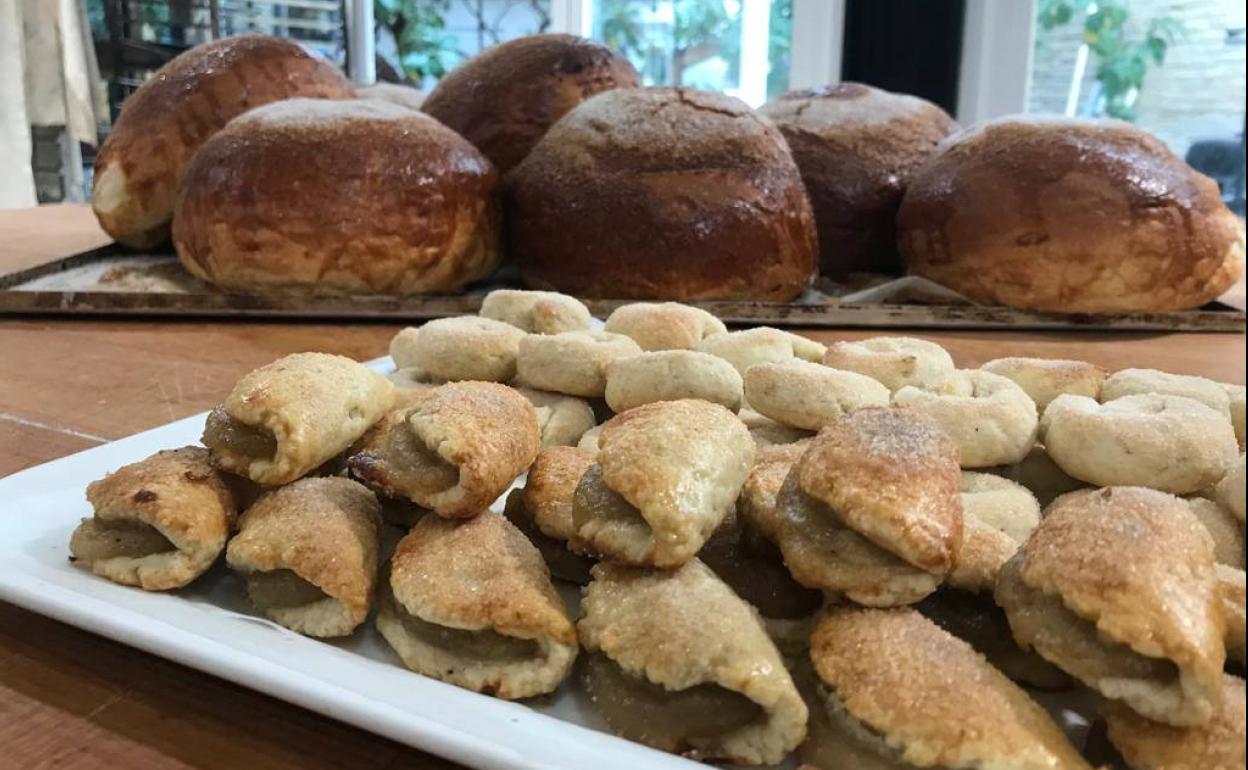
x=395 y=93
x=1069 y=216
x=662 y=193
x=894 y=361
x=759 y=345
x=1044 y=379
x=1129 y=382
x=670 y=375
x=856 y=147
x=664 y=325
x=460 y=348
x=505 y=98
x=357 y=196
x=571 y=362
x=1170 y=443
x=539 y=312
x=806 y=395
x=188 y=100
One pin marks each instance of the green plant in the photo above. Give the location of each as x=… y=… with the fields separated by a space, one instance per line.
x=419 y=28
x=1121 y=62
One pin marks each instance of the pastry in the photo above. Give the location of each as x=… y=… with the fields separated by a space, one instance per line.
x=761 y=344
x=1130 y=382
x=413 y=378
x=670 y=375
x=1044 y=379
x=542 y=510
x=308 y=554
x=1216 y=745
x=1229 y=492
x=455 y=452
x=589 y=439
x=767 y=432
x=538 y=312
x=288 y=417
x=896 y=691
x=1227 y=531
x=571 y=362
x=1236 y=395
x=1117 y=587
x=981 y=556
x=663 y=325
x=459 y=348
x=1000 y=503
x=561 y=419
x=471 y=603
x=1231 y=593
x=806 y=395
x=1041 y=476
x=1171 y=443
x=665 y=476
x=675 y=660
x=756 y=506
x=895 y=361
x=159 y=523
x=992 y=421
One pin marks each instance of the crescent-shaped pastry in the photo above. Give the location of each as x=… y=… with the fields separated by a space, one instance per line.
x=308 y=552
x=666 y=475
x=543 y=511
x=459 y=348
x=471 y=604
x=677 y=661
x=1215 y=745
x=897 y=691
x=1117 y=587
x=158 y=523
x=455 y=452
x=288 y=417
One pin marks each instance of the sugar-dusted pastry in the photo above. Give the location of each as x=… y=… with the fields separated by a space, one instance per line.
x=455 y=452
x=762 y=344
x=1117 y=587
x=1236 y=395
x=1130 y=382
x=290 y=416
x=757 y=502
x=539 y=312
x=807 y=395
x=561 y=419
x=1217 y=744
x=992 y=421
x=413 y=378
x=158 y=523
x=1231 y=592
x=767 y=432
x=571 y=362
x=1229 y=492
x=589 y=439
x=895 y=361
x=1171 y=443
x=1041 y=476
x=1044 y=379
x=1000 y=503
x=670 y=375
x=471 y=603
x=543 y=510
x=982 y=555
x=676 y=661
x=665 y=476
x=896 y=691
x=1227 y=532
x=664 y=325
x=308 y=553
x=460 y=348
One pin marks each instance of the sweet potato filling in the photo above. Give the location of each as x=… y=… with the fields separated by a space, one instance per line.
x=99 y=539
x=672 y=720
x=593 y=499
x=485 y=644
x=281 y=589
x=223 y=432
x=418 y=467
x=753 y=567
x=837 y=739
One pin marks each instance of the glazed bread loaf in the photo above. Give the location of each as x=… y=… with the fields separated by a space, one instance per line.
x=856 y=147
x=188 y=100
x=662 y=193
x=504 y=98
x=357 y=196
x=1069 y=216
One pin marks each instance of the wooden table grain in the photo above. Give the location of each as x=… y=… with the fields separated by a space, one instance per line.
x=69 y=699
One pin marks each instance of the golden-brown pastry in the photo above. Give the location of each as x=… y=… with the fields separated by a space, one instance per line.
x=543 y=510
x=1229 y=492
x=1215 y=745
x=188 y=100
x=1231 y=592
x=982 y=555
x=288 y=417
x=561 y=419
x=761 y=344
x=664 y=325
x=767 y=432
x=678 y=662
x=571 y=362
x=1044 y=379
x=1117 y=587
x=471 y=603
x=1227 y=532
x=807 y=395
x=308 y=552
x=1171 y=443
x=669 y=375
x=158 y=523
x=1041 y=476
x=538 y=312
x=665 y=476
x=456 y=451
x=459 y=348
x=1000 y=503
x=1130 y=382
x=895 y=361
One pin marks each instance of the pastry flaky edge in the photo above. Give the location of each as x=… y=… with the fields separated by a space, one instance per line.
x=1138 y=565
x=477 y=574
x=1216 y=745
x=314 y=404
x=930 y=695
x=684 y=627
x=681 y=464
x=489 y=432
x=325 y=530
x=178 y=493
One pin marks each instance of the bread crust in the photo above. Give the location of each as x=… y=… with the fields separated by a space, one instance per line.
x=1149 y=745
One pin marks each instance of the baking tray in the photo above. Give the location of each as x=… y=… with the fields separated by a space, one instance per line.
x=111 y=281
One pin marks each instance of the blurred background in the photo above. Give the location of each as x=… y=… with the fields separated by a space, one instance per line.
x=1173 y=67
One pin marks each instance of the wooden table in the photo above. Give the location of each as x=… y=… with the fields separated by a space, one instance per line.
x=69 y=699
